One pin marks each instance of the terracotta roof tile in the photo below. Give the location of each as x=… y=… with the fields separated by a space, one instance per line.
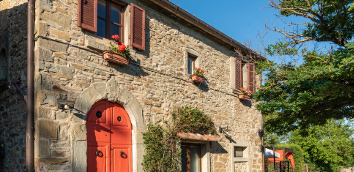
x=199 y=137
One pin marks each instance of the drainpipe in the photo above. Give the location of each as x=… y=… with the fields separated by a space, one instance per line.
x=30 y=88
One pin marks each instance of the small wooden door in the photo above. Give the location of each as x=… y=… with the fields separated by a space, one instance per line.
x=109 y=139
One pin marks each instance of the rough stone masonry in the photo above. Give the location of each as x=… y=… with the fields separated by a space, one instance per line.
x=69 y=65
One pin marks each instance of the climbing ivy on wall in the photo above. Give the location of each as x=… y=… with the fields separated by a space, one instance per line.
x=161 y=150
x=162 y=145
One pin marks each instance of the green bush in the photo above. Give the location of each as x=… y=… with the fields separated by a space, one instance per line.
x=190 y=120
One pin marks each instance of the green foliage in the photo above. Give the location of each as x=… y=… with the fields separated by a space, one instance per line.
x=162 y=152
x=199 y=71
x=190 y=120
x=331 y=20
x=328 y=147
x=319 y=89
x=120 y=48
x=322 y=87
x=162 y=148
x=298 y=155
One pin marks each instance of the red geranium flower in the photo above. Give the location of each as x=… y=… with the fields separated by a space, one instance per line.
x=116 y=37
x=122 y=48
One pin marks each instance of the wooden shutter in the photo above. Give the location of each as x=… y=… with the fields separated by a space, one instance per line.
x=87 y=14
x=251 y=77
x=238 y=74
x=137 y=32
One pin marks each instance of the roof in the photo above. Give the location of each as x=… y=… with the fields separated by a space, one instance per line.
x=198 y=137
x=182 y=15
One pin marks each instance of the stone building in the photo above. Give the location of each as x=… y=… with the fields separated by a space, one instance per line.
x=75 y=87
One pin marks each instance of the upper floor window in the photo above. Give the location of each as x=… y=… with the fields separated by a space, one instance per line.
x=109 y=19
x=244 y=75
x=191 y=63
x=105 y=18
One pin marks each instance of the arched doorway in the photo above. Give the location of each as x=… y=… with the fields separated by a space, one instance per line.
x=109 y=138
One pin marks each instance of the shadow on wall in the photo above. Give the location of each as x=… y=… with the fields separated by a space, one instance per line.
x=133 y=69
x=247 y=103
x=12 y=105
x=217 y=148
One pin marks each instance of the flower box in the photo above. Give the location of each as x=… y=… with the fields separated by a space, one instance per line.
x=115 y=58
x=244 y=97
x=196 y=78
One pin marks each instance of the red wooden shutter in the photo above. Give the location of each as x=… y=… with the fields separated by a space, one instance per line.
x=238 y=74
x=87 y=15
x=251 y=77
x=137 y=33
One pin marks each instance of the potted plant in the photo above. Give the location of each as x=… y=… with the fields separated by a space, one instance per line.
x=117 y=54
x=198 y=75
x=245 y=94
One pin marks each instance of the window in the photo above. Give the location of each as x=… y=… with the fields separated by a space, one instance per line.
x=243 y=75
x=239 y=156
x=238 y=151
x=191 y=157
x=191 y=63
x=109 y=19
x=105 y=18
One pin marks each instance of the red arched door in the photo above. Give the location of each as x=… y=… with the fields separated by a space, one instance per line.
x=109 y=140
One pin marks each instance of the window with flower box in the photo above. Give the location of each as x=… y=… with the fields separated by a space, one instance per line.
x=106 y=18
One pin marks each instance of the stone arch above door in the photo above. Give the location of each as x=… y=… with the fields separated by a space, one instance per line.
x=110 y=91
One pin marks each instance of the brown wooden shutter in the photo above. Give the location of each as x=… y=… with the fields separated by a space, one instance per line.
x=251 y=77
x=137 y=33
x=87 y=14
x=238 y=74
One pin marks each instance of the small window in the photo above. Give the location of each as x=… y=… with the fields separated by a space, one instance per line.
x=238 y=151
x=191 y=63
x=109 y=19
x=191 y=157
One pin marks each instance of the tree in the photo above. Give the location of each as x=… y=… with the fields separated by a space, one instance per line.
x=328 y=147
x=322 y=87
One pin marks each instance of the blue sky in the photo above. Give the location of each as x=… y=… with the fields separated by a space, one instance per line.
x=239 y=19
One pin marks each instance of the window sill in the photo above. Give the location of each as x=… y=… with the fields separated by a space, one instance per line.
x=102 y=44
x=239 y=159
x=97 y=43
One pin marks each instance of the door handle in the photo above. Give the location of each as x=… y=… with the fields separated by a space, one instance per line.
x=123 y=155
x=99 y=153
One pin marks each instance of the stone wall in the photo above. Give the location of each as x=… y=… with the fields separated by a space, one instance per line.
x=347 y=169
x=12 y=105
x=68 y=64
